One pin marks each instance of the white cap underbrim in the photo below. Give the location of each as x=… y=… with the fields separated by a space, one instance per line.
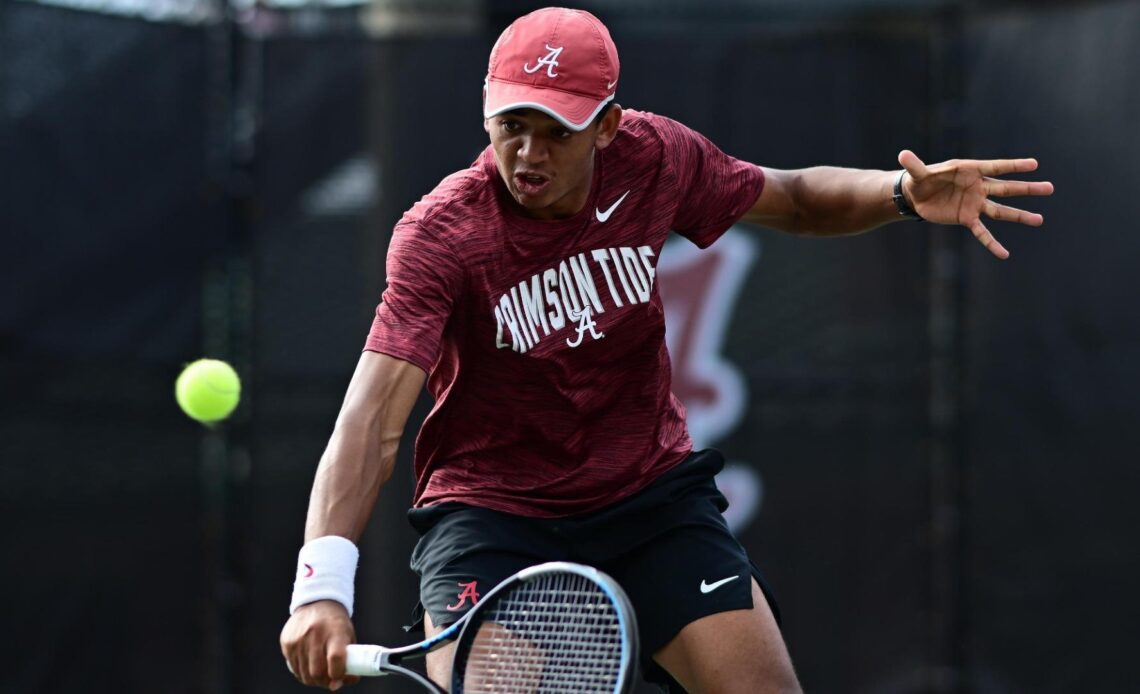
x=575 y=111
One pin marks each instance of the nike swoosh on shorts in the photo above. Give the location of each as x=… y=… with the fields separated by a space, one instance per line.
x=710 y=587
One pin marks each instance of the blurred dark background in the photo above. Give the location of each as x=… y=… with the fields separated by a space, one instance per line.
x=934 y=452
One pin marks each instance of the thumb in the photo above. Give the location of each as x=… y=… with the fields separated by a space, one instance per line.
x=913 y=165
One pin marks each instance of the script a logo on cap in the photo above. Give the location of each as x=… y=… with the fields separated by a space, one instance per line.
x=550 y=60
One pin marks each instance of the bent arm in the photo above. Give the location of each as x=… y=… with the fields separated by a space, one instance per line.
x=824 y=201
x=362 y=450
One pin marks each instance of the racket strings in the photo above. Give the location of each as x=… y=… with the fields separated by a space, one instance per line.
x=556 y=634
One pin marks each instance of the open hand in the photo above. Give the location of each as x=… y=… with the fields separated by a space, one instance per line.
x=958 y=191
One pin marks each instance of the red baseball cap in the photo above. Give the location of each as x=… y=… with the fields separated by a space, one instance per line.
x=561 y=62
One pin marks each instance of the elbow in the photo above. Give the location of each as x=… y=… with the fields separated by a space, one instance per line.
x=799 y=220
x=781 y=203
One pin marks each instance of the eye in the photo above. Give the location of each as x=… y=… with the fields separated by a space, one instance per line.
x=560 y=133
x=511 y=126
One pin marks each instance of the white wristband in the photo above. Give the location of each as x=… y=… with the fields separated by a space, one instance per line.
x=326 y=570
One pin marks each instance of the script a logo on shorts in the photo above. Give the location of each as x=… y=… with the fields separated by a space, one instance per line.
x=550 y=60
x=469 y=592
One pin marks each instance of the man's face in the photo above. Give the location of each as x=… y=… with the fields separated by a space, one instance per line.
x=546 y=166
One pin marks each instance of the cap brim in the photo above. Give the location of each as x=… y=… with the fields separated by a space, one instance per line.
x=572 y=110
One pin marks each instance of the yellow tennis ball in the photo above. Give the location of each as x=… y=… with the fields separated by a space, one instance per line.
x=208 y=390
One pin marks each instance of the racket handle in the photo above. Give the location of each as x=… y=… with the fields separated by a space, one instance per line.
x=364 y=661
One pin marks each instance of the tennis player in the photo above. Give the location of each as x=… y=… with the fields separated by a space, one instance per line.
x=523 y=290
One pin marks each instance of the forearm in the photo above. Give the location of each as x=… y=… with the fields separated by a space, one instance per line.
x=362 y=450
x=834 y=201
x=825 y=201
x=359 y=459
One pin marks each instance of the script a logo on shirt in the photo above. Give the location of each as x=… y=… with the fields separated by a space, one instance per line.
x=586 y=322
x=560 y=296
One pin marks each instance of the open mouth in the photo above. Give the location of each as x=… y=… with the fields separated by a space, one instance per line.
x=531 y=183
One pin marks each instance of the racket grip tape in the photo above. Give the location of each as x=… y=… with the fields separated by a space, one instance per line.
x=364 y=661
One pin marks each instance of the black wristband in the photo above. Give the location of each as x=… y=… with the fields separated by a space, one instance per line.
x=904 y=208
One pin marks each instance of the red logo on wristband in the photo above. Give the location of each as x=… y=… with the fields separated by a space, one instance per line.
x=469 y=592
x=308 y=569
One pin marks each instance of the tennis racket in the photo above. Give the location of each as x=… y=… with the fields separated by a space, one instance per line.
x=555 y=628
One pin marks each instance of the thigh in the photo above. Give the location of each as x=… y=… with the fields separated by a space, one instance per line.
x=460 y=558
x=682 y=575
x=450 y=590
x=694 y=572
x=735 y=651
x=438 y=661
x=467 y=552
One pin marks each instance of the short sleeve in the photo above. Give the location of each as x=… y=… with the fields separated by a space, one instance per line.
x=424 y=282
x=715 y=190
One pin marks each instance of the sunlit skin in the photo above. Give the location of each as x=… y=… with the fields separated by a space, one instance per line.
x=547 y=167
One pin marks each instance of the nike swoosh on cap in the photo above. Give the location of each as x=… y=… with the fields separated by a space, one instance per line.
x=710 y=587
x=603 y=216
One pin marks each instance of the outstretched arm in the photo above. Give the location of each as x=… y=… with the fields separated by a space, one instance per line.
x=357 y=462
x=362 y=450
x=833 y=201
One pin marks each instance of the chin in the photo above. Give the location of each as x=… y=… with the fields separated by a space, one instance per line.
x=531 y=203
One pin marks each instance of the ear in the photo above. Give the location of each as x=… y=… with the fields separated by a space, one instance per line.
x=607 y=129
x=487 y=125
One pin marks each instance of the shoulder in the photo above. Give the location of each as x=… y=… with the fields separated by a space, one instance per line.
x=448 y=210
x=644 y=125
x=650 y=136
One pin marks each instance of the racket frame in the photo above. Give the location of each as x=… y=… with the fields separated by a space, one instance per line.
x=370 y=661
x=627 y=621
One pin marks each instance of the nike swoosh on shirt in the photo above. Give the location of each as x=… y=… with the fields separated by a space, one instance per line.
x=710 y=587
x=603 y=216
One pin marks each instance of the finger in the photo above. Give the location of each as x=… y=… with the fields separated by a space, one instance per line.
x=294 y=660
x=999 y=167
x=288 y=659
x=1005 y=213
x=1005 y=189
x=318 y=668
x=337 y=658
x=913 y=165
x=300 y=667
x=983 y=235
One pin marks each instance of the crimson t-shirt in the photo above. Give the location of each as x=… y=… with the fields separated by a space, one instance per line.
x=544 y=341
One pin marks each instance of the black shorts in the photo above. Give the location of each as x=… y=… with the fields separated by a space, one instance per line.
x=667 y=545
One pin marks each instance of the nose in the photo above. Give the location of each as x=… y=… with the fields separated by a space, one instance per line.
x=532 y=150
